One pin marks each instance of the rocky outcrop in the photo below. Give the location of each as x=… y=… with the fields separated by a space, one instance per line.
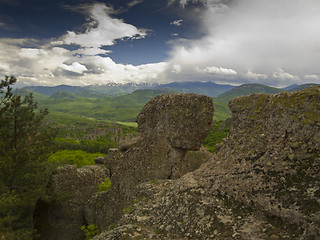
x=170 y=126
x=71 y=187
x=263 y=183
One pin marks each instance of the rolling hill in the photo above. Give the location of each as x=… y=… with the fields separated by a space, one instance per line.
x=204 y=88
x=303 y=86
x=86 y=104
x=115 y=109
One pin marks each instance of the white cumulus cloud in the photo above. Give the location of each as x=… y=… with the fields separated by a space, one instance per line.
x=105 y=30
x=74 y=67
x=216 y=70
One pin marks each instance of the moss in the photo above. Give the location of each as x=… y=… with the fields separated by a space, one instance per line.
x=104 y=186
x=140 y=199
x=128 y=210
x=154 y=182
x=158 y=231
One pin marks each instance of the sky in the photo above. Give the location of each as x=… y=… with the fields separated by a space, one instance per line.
x=84 y=42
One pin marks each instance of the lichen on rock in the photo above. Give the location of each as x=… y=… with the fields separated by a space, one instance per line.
x=169 y=126
x=264 y=182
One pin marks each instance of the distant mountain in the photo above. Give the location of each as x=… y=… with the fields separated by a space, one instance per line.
x=141 y=96
x=117 y=89
x=51 y=90
x=26 y=92
x=247 y=89
x=205 y=88
x=303 y=86
x=114 y=89
x=62 y=95
x=290 y=87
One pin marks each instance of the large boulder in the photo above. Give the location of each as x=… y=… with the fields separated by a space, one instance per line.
x=62 y=218
x=170 y=126
x=182 y=120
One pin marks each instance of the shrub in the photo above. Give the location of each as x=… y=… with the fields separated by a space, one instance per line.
x=104 y=186
x=90 y=231
x=77 y=157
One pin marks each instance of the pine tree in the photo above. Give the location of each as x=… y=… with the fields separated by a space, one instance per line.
x=24 y=150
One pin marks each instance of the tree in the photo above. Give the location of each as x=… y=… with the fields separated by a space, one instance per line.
x=24 y=172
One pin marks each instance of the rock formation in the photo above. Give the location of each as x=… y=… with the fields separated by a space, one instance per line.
x=169 y=125
x=264 y=182
x=62 y=218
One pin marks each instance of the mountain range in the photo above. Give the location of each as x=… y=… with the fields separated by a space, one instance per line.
x=122 y=102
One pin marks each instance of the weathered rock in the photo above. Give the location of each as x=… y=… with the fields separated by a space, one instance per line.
x=264 y=182
x=169 y=126
x=183 y=120
x=73 y=187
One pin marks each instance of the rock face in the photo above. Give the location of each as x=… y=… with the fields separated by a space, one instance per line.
x=264 y=183
x=73 y=187
x=169 y=125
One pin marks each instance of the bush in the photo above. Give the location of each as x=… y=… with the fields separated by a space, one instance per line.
x=90 y=231
x=77 y=157
x=218 y=133
x=105 y=186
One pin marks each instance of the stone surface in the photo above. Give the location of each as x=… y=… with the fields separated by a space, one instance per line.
x=264 y=182
x=72 y=188
x=169 y=125
x=183 y=120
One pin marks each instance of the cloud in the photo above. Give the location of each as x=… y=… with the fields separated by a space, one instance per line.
x=176 y=68
x=54 y=63
x=135 y=2
x=254 y=36
x=91 y=51
x=255 y=76
x=216 y=70
x=282 y=75
x=312 y=77
x=177 y=23
x=105 y=30
x=217 y=4
x=74 y=67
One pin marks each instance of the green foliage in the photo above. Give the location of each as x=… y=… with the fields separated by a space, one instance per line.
x=24 y=148
x=77 y=157
x=218 y=133
x=116 y=109
x=104 y=186
x=90 y=231
x=100 y=145
x=128 y=210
